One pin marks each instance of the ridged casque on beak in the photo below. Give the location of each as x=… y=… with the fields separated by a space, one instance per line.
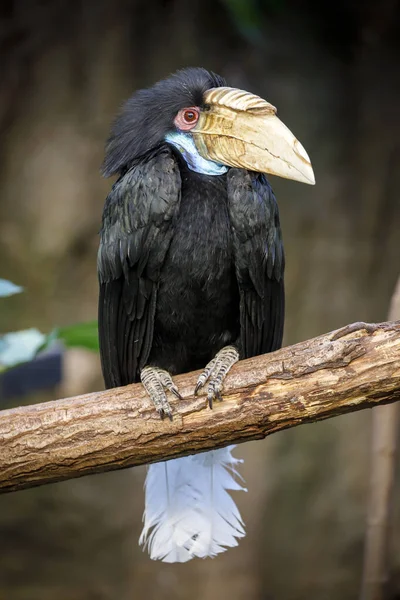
x=242 y=130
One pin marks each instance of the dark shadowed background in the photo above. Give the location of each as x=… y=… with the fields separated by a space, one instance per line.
x=332 y=69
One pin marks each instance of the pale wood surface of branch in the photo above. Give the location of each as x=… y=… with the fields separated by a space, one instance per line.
x=343 y=371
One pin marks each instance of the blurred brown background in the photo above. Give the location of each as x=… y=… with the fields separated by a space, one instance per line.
x=332 y=69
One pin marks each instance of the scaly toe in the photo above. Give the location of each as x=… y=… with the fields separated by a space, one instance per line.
x=166 y=381
x=205 y=375
x=215 y=372
x=155 y=382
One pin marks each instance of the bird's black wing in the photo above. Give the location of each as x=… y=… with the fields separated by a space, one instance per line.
x=259 y=261
x=137 y=229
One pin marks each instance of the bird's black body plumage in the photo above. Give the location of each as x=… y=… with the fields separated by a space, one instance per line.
x=188 y=263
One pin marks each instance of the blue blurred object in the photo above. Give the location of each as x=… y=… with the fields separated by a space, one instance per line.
x=41 y=373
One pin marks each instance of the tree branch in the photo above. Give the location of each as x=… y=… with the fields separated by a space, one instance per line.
x=353 y=368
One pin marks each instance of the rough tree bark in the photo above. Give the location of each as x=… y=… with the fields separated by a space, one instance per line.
x=343 y=371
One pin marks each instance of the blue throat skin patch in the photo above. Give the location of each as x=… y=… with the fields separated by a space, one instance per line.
x=184 y=143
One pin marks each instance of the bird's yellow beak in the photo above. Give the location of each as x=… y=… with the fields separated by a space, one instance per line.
x=239 y=129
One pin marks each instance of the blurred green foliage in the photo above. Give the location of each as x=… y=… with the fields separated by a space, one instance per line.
x=80 y=335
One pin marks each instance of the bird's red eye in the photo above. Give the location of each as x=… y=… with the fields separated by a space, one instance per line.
x=190 y=116
x=187 y=118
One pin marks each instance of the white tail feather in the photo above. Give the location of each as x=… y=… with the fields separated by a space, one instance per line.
x=188 y=510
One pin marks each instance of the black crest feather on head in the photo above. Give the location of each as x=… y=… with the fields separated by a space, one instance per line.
x=149 y=114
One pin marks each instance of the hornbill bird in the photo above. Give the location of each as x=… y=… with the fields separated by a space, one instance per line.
x=191 y=266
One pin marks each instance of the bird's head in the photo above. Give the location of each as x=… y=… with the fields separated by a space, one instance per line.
x=214 y=127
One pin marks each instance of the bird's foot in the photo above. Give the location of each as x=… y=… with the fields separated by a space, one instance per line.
x=216 y=371
x=155 y=382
